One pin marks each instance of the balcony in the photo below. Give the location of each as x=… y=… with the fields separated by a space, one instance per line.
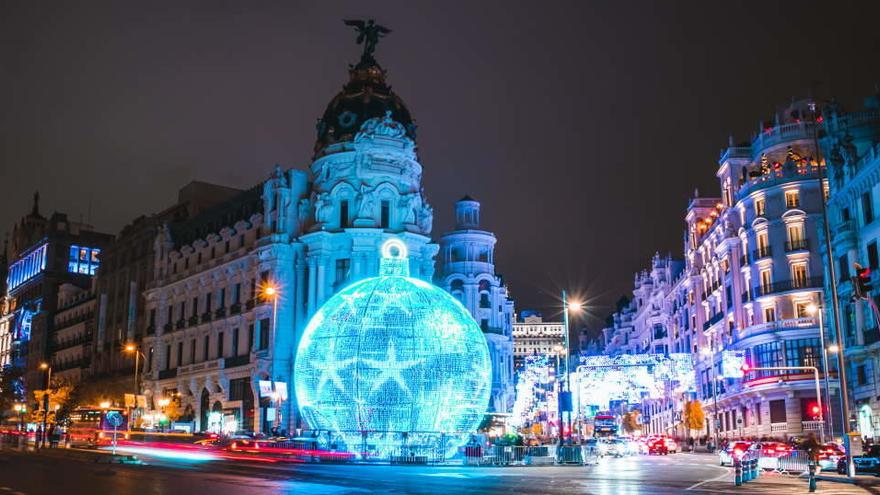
x=871 y=336
x=151 y=329
x=787 y=285
x=220 y=313
x=798 y=245
x=166 y=374
x=234 y=361
x=762 y=252
x=167 y=327
x=235 y=309
x=249 y=304
x=713 y=320
x=776 y=326
x=181 y=323
x=206 y=317
x=193 y=320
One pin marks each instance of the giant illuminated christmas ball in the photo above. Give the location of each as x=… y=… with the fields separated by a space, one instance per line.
x=393 y=364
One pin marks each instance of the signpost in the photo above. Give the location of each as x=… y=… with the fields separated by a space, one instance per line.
x=115 y=419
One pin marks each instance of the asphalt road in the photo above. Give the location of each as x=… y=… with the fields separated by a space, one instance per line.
x=39 y=474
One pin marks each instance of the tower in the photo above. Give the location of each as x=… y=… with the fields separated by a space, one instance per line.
x=467 y=257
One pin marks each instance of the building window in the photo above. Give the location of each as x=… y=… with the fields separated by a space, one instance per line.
x=767 y=355
x=769 y=314
x=843 y=268
x=220 y=345
x=872 y=255
x=385 y=216
x=861 y=375
x=867 y=207
x=799 y=275
x=766 y=281
x=235 y=342
x=800 y=309
x=342 y=271
x=82 y=260
x=343 y=214
x=206 y=348
x=759 y=207
x=236 y=293
x=195 y=307
x=180 y=353
x=792 y=199
x=192 y=352
x=802 y=352
x=250 y=342
x=168 y=357
x=264 y=333
x=777 y=411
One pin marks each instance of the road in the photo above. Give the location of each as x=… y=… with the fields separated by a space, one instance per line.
x=50 y=474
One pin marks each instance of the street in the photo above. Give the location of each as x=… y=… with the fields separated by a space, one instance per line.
x=44 y=474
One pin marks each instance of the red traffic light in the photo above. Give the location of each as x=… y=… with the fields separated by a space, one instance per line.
x=745 y=367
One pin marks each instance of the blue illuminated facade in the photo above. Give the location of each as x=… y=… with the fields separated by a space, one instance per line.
x=26 y=268
x=393 y=362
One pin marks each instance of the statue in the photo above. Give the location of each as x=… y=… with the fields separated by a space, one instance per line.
x=322 y=208
x=303 y=210
x=409 y=203
x=368 y=33
x=426 y=218
x=368 y=202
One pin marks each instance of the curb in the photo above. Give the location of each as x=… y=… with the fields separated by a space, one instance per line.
x=850 y=481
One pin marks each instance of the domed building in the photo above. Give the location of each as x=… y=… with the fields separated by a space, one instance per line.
x=215 y=341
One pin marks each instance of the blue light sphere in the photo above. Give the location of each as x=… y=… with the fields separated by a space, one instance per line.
x=393 y=364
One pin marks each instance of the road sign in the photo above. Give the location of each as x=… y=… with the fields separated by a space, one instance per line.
x=114 y=418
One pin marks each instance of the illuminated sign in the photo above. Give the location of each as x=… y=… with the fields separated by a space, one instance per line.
x=28 y=267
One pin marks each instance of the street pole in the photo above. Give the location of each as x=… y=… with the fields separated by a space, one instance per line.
x=815 y=371
x=825 y=369
x=565 y=377
x=46 y=403
x=835 y=302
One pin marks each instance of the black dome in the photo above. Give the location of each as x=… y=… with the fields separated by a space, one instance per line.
x=365 y=96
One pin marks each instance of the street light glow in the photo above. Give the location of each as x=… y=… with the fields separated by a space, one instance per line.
x=575 y=306
x=270 y=290
x=104 y=405
x=44 y=366
x=164 y=402
x=130 y=348
x=833 y=348
x=812 y=309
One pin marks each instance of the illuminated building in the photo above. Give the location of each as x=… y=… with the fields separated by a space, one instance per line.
x=396 y=358
x=752 y=267
x=533 y=336
x=44 y=254
x=467 y=271
x=211 y=336
x=850 y=146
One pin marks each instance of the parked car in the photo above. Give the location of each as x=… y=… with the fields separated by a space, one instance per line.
x=868 y=463
x=617 y=448
x=733 y=450
x=830 y=455
x=658 y=446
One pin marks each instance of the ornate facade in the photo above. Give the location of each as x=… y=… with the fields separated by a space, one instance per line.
x=467 y=271
x=213 y=335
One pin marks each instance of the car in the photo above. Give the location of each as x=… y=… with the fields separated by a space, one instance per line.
x=671 y=445
x=658 y=446
x=772 y=449
x=617 y=448
x=733 y=451
x=830 y=455
x=867 y=463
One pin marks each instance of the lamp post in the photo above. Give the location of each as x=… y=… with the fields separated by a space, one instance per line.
x=20 y=409
x=45 y=366
x=815 y=371
x=566 y=306
x=137 y=355
x=817 y=311
x=710 y=352
x=271 y=291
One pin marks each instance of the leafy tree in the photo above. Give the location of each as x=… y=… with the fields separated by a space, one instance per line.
x=694 y=416
x=631 y=422
x=58 y=394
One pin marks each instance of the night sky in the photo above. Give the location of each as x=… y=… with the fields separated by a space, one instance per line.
x=582 y=127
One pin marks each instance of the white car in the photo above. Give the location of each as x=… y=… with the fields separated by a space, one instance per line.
x=734 y=450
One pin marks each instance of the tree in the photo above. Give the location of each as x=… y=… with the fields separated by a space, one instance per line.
x=694 y=417
x=631 y=422
x=58 y=395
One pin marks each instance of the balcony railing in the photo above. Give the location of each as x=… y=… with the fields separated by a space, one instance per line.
x=798 y=245
x=206 y=316
x=181 y=323
x=249 y=304
x=713 y=320
x=165 y=374
x=220 y=313
x=787 y=285
x=871 y=336
x=167 y=327
x=151 y=329
x=234 y=361
x=762 y=252
x=235 y=309
x=193 y=320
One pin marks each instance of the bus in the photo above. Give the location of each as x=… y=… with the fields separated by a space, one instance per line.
x=604 y=425
x=89 y=427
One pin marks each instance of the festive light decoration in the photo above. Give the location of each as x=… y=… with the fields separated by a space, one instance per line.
x=393 y=364
x=631 y=377
x=532 y=394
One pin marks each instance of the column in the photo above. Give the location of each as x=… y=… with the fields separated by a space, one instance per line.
x=322 y=279
x=312 y=281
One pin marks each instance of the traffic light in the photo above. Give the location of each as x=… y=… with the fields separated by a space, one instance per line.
x=745 y=368
x=814 y=410
x=862 y=282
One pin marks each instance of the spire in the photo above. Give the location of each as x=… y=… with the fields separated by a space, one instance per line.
x=36 y=209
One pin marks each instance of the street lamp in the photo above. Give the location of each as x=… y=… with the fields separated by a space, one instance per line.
x=271 y=291
x=833 y=348
x=566 y=307
x=137 y=355
x=813 y=309
x=48 y=369
x=20 y=409
x=709 y=352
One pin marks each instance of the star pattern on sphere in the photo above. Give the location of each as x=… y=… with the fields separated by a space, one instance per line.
x=390 y=369
x=330 y=366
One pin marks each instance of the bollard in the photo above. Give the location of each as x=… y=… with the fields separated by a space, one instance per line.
x=747 y=475
x=812 y=483
x=738 y=477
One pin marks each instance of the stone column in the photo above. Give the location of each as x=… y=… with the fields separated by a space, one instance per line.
x=312 y=306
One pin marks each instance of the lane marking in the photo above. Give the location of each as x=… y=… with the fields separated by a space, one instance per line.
x=717 y=478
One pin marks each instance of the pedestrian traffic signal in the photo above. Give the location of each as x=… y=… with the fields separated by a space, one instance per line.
x=862 y=282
